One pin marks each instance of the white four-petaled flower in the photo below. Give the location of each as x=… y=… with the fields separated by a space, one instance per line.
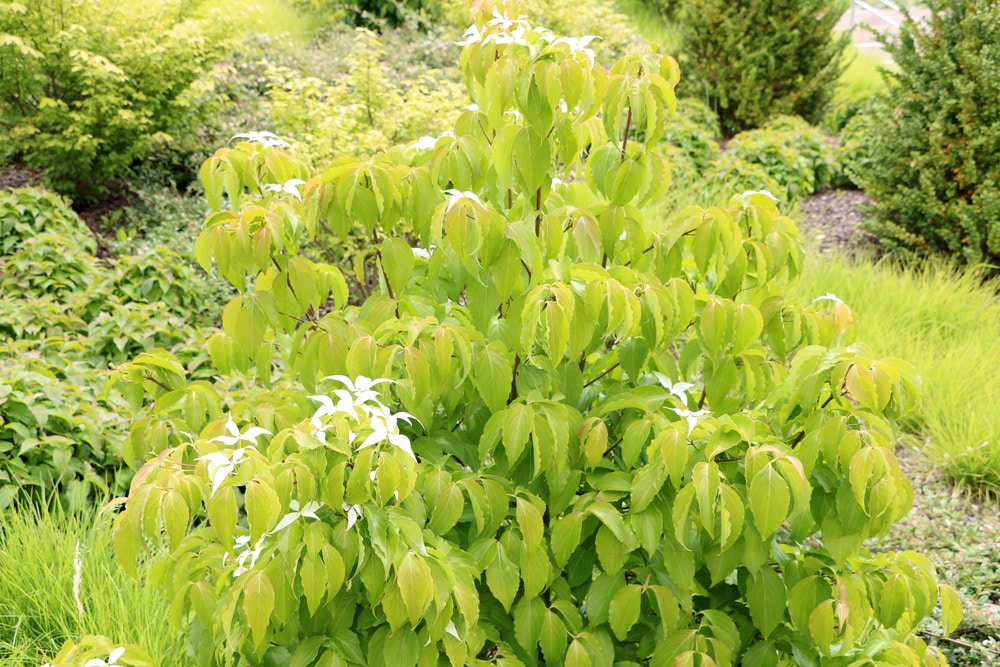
x=692 y=417
x=579 y=45
x=678 y=389
x=220 y=464
x=424 y=143
x=250 y=435
x=308 y=510
x=385 y=429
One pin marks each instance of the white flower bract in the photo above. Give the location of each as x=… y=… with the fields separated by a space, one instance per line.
x=112 y=660
x=269 y=139
x=290 y=187
x=829 y=296
x=455 y=196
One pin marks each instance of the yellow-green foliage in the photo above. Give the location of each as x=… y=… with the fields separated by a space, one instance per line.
x=367 y=110
x=89 y=87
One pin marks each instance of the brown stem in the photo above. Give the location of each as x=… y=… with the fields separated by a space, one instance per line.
x=538 y=211
x=628 y=122
x=628 y=128
x=599 y=376
x=959 y=642
x=156 y=382
x=513 y=380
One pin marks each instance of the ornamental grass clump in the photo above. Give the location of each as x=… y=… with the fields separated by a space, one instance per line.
x=554 y=433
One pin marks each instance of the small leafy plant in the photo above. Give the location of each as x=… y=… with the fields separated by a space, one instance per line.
x=555 y=432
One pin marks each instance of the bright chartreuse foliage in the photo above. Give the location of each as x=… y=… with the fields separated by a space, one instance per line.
x=89 y=87
x=557 y=433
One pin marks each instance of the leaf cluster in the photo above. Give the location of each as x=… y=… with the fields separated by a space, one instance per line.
x=63 y=320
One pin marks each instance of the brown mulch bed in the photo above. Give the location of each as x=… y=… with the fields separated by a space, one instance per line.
x=19 y=177
x=831 y=219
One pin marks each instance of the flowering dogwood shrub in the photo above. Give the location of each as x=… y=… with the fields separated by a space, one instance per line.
x=593 y=440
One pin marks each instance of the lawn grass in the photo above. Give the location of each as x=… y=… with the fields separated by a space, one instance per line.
x=38 y=607
x=267 y=17
x=947 y=324
x=651 y=25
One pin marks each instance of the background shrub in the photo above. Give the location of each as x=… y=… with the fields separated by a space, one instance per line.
x=791 y=151
x=57 y=432
x=365 y=106
x=928 y=152
x=373 y=14
x=160 y=276
x=27 y=212
x=753 y=60
x=49 y=263
x=90 y=86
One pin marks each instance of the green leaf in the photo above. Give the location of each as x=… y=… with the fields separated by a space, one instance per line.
x=222 y=515
x=529 y=520
x=262 y=507
x=397 y=262
x=493 y=374
x=401 y=649
x=553 y=637
x=175 y=516
x=769 y=500
x=528 y=617
x=566 y=537
x=517 y=421
x=448 y=509
x=307 y=650
x=577 y=655
x=611 y=518
x=258 y=604
x=951 y=608
x=313 y=577
x=413 y=577
x=503 y=578
x=646 y=485
x=821 y=625
x=336 y=569
x=766 y=597
x=626 y=604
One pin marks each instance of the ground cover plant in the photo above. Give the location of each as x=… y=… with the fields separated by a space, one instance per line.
x=64 y=318
x=556 y=433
